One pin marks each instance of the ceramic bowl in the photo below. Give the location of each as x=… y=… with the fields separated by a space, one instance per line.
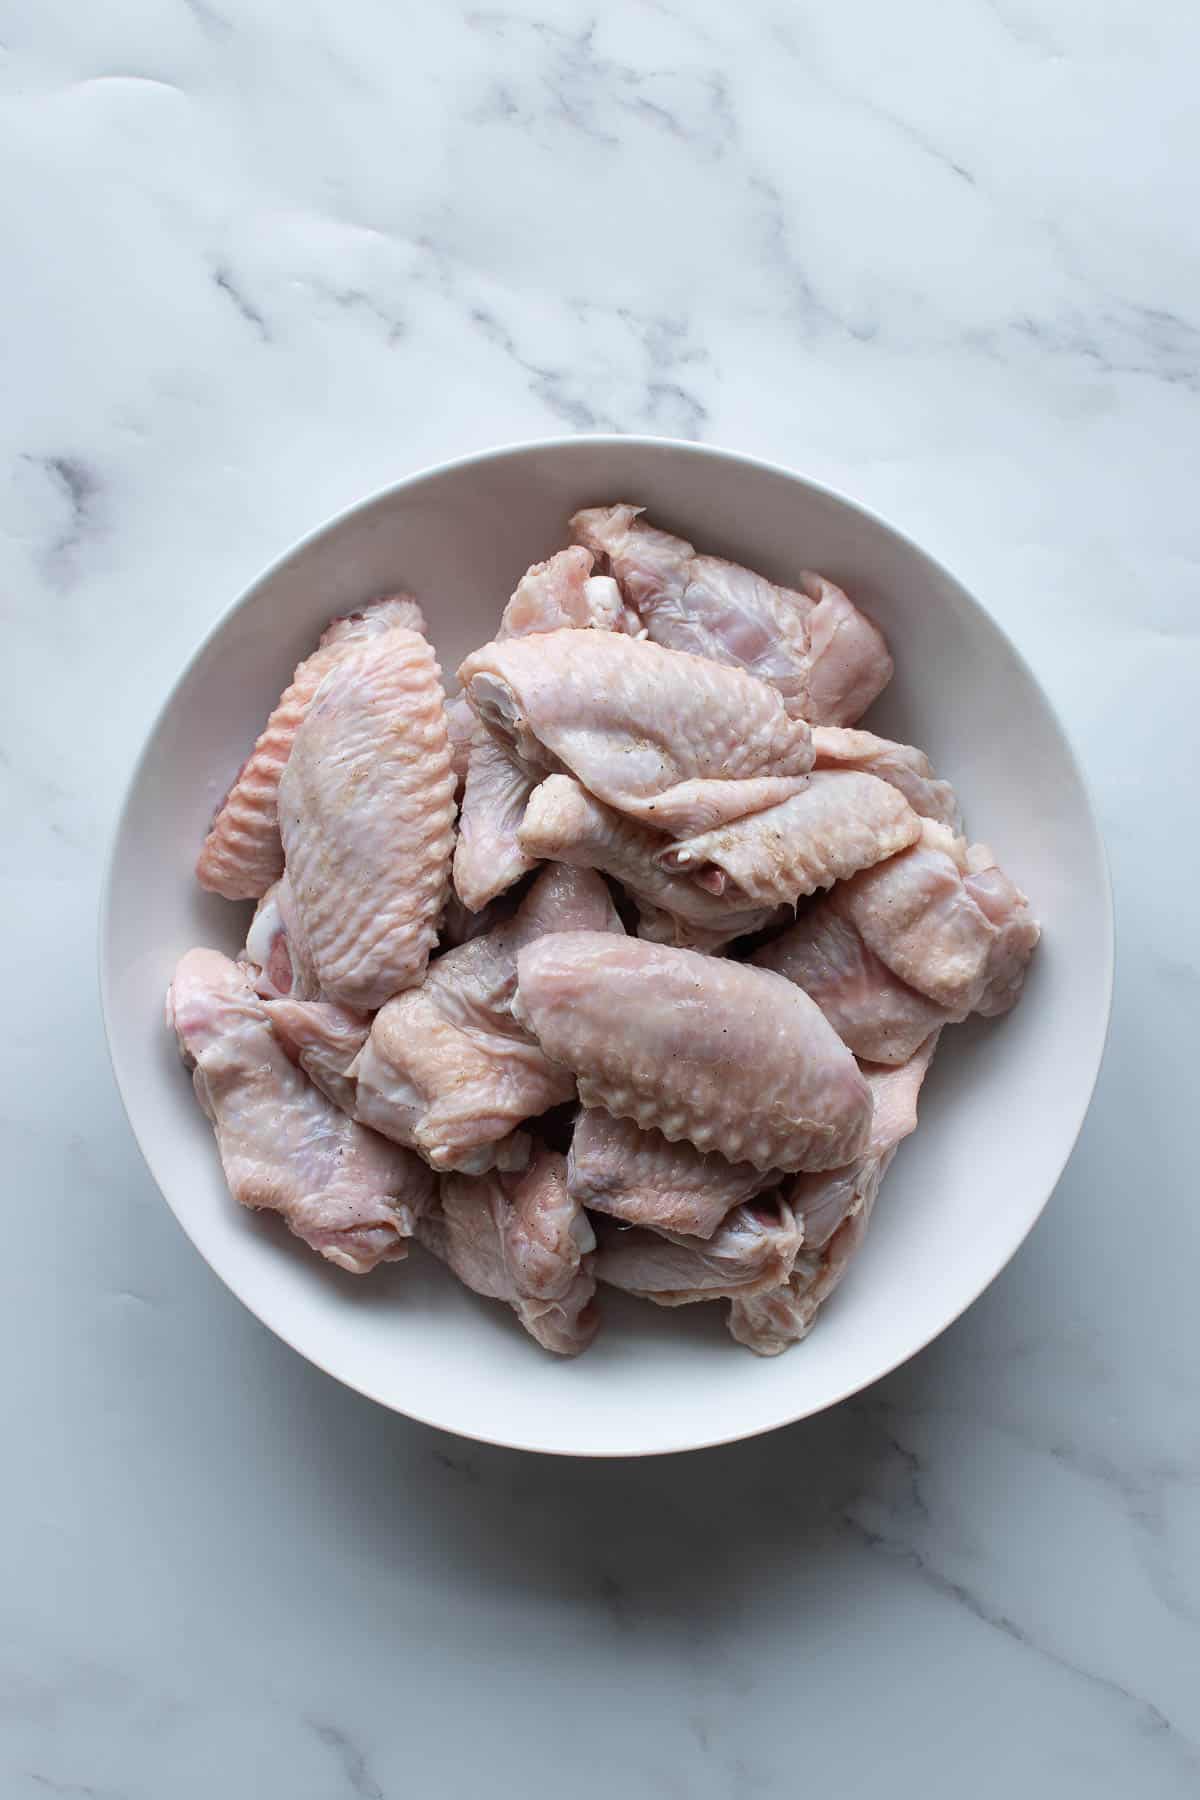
x=999 y=1113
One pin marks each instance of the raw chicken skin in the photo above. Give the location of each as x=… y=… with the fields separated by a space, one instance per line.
x=453 y=1096
x=826 y=659
x=488 y=857
x=638 y=1177
x=651 y=566
x=366 y=808
x=552 y=595
x=753 y=1251
x=734 y=1059
x=849 y=662
x=284 y=1148
x=934 y=929
x=521 y=1239
x=907 y=768
x=822 y=1201
x=915 y=914
x=447 y=1069
x=894 y=1094
x=547 y=1233
x=565 y=823
x=555 y=595
x=774 y=1320
x=837 y=824
x=876 y=1014
x=676 y=742
x=242 y=854
x=275 y=948
x=834 y=1210
x=325 y=1040
x=1017 y=931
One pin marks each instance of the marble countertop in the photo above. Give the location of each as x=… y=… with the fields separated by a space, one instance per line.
x=264 y=258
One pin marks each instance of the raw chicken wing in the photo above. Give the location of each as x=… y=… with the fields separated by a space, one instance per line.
x=754 y=1250
x=734 y=1059
x=676 y=742
x=827 y=660
x=562 y=594
x=638 y=1177
x=521 y=1239
x=447 y=1069
x=1017 y=931
x=928 y=914
x=242 y=854
x=837 y=824
x=488 y=857
x=833 y=1210
x=565 y=823
x=348 y=1194
x=366 y=808
x=879 y=1016
x=904 y=766
x=556 y=595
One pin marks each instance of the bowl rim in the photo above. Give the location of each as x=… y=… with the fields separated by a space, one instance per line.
x=567 y=443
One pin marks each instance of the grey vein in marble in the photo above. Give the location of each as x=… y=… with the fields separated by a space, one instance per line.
x=578 y=87
x=897 y=1539
x=350 y=1759
x=80 y=486
x=224 y=280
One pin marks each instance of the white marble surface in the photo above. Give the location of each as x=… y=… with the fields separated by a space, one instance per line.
x=261 y=258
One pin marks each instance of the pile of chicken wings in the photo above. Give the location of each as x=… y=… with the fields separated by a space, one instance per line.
x=623 y=966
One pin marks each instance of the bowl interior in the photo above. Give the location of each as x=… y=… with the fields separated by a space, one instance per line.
x=1001 y=1108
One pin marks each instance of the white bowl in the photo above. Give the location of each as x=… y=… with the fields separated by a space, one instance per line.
x=999 y=1113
